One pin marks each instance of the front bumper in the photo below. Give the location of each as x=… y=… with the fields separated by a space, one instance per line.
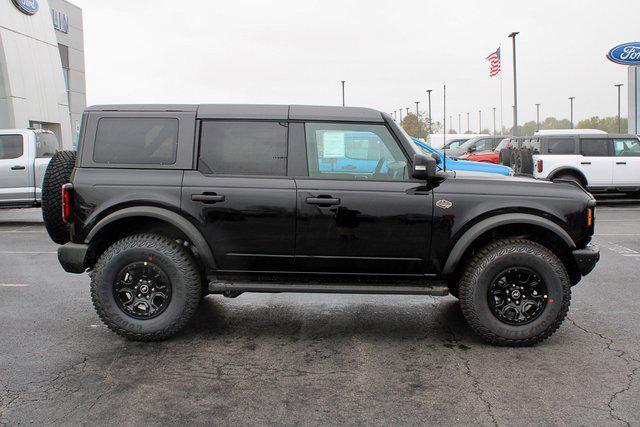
x=587 y=258
x=72 y=256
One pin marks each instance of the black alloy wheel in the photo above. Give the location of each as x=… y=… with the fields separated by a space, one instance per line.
x=142 y=290
x=517 y=296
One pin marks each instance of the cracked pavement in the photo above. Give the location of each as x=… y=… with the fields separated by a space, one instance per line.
x=314 y=359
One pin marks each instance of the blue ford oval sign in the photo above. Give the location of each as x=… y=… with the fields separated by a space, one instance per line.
x=626 y=54
x=30 y=7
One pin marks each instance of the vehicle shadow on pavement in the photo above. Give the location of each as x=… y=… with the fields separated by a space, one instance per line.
x=441 y=321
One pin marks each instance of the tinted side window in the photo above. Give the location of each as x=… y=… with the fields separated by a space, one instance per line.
x=151 y=141
x=594 y=147
x=46 y=145
x=561 y=146
x=627 y=147
x=344 y=151
x=483 y=144
x=243 y=148
x=10 y=147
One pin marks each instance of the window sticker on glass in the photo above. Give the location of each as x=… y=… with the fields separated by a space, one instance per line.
x=332 y=143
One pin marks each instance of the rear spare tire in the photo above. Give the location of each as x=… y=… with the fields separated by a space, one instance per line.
x=58 y=173
x=505 y=157
x=526 y=160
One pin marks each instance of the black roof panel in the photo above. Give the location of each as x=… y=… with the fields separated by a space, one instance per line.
x=256 y=111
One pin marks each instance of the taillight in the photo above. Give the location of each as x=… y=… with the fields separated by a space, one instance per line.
x=67 y=193
x=540 y=166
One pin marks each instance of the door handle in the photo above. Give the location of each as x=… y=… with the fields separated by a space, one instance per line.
x=621 y=163
x=323 y=201
x=18 y=168
x=207 y=198
x=585 y=163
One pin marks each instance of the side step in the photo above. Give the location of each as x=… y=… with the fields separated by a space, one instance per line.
x=435 y=288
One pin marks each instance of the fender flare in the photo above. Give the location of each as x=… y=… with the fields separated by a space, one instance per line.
x=487 y=224
x=560 y=169
x=192 y=233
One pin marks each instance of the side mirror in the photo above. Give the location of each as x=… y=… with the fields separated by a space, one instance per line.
x=472 y=149
x=424 y=167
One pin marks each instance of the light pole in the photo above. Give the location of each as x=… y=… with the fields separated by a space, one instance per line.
x=538 y=116
x=400 y=116
x=417 y=119
x=479 y=121
x=515 y=85
x=571 y=98
x=451 y=121
x=494 y=121
x=429 y=97
x=468 y=123
x=342 y=81
x=407 y=108
x=619 y=85
x=459 y=123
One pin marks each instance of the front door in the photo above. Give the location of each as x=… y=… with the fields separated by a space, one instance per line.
x=626 y=168
x=596 y=161
x=15 y=183
x=240 y=195
x=358 y=212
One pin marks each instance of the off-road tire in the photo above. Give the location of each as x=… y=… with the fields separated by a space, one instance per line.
x=515 y=160
x=486 y=264
x=526 y=162
x=175 y=261
x=504 y=158
x=57 y=174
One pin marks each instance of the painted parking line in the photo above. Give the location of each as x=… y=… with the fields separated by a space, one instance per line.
x=26 y=252
x=14 y=285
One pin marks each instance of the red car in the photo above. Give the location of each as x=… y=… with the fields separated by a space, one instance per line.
x=487 y=156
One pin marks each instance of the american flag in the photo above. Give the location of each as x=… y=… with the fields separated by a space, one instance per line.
x=494 y=63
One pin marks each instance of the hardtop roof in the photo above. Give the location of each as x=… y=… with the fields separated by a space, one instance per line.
x=255 y=111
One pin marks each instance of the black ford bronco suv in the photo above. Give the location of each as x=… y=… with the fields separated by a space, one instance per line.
x=165 y=204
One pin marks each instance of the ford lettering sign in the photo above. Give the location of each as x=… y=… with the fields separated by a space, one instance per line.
x=625 y=54
x=30 y=7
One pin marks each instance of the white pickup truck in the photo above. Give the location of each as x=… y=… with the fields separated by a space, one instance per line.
x=24 y=156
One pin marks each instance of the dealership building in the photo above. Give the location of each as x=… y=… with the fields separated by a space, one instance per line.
x=42 y=75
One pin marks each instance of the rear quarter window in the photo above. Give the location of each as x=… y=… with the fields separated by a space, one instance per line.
x=561 y=146
x=150 y=141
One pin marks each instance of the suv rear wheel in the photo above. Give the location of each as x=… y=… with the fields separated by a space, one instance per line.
x=515 y=292
x=146 y=287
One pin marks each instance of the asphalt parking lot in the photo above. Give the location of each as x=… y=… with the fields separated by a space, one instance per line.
x=315 y=359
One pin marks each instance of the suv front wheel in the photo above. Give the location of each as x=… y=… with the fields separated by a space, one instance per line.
x=515 y=292
x=146 y=287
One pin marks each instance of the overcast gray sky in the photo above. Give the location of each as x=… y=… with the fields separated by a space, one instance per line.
x=389 y=52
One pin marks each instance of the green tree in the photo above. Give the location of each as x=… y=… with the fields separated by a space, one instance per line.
x=607 y=124
x=452 y=131
x=418 y=127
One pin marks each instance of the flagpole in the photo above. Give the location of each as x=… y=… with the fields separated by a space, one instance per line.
x=501 y=121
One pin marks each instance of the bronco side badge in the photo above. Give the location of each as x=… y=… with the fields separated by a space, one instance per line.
x=444 y=204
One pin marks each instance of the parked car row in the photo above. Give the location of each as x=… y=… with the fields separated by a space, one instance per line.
x=594 y=159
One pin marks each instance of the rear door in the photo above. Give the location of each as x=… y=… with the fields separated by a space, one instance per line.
x=358 y=212
x=596 y=161
x=15 y=180
x=241 y=197
x=626 y=168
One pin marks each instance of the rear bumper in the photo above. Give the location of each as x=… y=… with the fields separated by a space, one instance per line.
x=72 y=256
x=587 y=258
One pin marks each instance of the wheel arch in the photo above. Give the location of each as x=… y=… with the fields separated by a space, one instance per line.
x=526 y=225
x=565 y=170
x=135 y=220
